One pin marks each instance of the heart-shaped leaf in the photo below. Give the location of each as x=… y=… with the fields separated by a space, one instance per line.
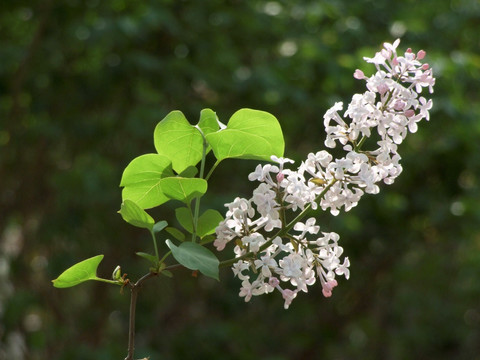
x=207 y=222
x=178 y=140
x=250 y=134
x=141 y=180
x=208 y=121
x=183 y=189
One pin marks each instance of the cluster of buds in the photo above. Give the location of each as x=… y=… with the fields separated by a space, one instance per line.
x=275 y=252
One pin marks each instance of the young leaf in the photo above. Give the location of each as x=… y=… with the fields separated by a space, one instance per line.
x=178 y=140
x=135 y=215
x=78 y=273
x=250 y=134
x=148 y=257
x=207 y=239
x=183 y=189
x=142 y=178
x=159 y=226
x=177 y=234
x=208 y=222
x=184 y=217
x=195 y=257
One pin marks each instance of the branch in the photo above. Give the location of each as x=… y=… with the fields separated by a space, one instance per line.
x=135 y=288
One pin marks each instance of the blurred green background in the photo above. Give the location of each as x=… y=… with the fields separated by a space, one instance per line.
x=82 y=86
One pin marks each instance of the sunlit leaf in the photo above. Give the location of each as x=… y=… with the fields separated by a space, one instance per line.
x=141 y=180
x=208 y=121
x=183 y=189
x=250 y=134
x=79 y=273
x=189 y=172
x=178 y=140
x=135 y=215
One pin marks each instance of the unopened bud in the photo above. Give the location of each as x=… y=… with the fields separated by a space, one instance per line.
x=409 y=113
x=280 y=177
x=273 y=281
x=358 y=74
x=318 y=181
x=421 y=54
x=382 y=88
x=117 y=273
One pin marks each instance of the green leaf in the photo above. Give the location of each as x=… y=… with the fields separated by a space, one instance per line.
x=159 y=226
x=189 y=172
x=178 y=140
x=208 y=222
x=166 y=273
x=135 y=215
x=250 y=134
x=195 y=257
x=78 y=273
x=208 y=121
x=184 y=217
x=142 y=178
x=184 y=189
x=151 y=258
x=177 y=234
x=208 y=239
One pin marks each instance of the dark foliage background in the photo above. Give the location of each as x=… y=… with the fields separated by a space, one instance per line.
x=82 y=86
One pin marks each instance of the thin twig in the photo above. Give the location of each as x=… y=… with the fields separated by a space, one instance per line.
x=135 y=288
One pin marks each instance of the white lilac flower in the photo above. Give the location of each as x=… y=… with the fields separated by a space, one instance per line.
x=266 y=264
x=254 y=241
x=387 y=111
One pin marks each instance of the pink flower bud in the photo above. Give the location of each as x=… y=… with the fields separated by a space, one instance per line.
x=280 y=177
x=421 y=54
x=358 y=74
x=326 y=293
x=273 y=281
x=382 y=88
x=409 y=50
x=425 y=66
x=409 y=113
x=328 y=287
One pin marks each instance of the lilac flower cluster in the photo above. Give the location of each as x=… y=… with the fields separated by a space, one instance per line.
x=274 y=252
